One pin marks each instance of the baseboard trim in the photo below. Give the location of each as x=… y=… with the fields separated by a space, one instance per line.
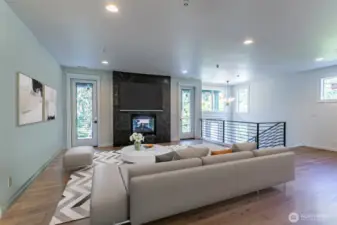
x=315 y=147
x=323 y=148
x=20 y=191
x=105 y=145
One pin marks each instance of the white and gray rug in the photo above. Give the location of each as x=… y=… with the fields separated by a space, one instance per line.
x=75 y=202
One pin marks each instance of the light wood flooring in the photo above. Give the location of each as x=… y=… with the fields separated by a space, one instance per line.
x=313 y=195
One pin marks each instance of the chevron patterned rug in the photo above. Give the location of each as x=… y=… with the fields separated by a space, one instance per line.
x=75 y=202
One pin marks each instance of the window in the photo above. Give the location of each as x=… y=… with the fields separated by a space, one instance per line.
x=329 y=88
x=242 y=100
x=213 y=101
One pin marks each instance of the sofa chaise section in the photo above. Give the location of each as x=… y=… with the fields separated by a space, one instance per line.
x=109 y=198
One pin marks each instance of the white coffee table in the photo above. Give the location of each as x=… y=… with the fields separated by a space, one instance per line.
x=143 y=156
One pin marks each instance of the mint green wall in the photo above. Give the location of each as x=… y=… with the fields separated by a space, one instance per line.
x=24 y=150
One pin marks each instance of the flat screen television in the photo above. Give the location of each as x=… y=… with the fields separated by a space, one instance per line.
x=140 y=96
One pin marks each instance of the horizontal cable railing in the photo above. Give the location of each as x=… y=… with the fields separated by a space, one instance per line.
x=273 y=136
x=266 y=134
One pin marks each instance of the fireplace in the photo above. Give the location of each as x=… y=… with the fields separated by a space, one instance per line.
x=158 y=119
x=144 y=124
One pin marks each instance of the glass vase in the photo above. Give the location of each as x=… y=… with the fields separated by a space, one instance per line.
x=137 y=145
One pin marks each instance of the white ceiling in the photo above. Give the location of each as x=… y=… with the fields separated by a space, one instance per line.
x=164 y=37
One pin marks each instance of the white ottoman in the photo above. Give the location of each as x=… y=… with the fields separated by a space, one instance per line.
x=78 y=157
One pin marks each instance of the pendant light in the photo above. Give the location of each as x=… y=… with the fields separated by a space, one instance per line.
x=228 y=99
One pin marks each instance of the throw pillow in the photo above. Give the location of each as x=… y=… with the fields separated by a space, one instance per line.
x=165 y=157
x=222 y=152
x=189 y=153
x=244 y=147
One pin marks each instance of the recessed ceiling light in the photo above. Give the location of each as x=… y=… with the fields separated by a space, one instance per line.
x=111 y=8
x=105 y=62
x=248 y=42
x=184 y=71
x=319 y=59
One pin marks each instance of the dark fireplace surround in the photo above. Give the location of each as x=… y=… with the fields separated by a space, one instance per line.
x=123 y=120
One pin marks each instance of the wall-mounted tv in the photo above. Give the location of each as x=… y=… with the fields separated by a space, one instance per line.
x=140 y=96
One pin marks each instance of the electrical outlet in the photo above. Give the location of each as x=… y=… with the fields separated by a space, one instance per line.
x=10 y=182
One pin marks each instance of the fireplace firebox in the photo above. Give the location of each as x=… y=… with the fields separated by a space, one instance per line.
x=144 y=124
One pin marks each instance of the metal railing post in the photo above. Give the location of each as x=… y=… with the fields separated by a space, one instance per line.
x=223 y=131
x=257 y=135
x=201 y=129
x=284 y=134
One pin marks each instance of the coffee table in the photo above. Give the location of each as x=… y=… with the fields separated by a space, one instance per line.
x=143 y=156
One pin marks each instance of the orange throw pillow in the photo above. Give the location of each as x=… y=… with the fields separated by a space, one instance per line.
x=221 y=152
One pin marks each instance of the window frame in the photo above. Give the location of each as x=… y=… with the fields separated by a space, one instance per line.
x=212 y=90
x=237 y=99
x=321 y=90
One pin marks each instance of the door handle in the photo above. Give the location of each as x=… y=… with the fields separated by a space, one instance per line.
x=95 y=120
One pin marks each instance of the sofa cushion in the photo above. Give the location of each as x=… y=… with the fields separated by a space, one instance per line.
x=248 y=146
x=221 y=152
x=270 y=151
x=133 y=170
x=210 y=146
x=209 y=160
x=165 y=157
x=191 y=152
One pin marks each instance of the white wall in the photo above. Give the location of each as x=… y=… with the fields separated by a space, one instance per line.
x=106 y=112
x=175 y=121
x=24 y=150
x=294 y=99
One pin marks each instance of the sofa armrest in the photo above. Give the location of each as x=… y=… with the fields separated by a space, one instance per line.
x=109 y=198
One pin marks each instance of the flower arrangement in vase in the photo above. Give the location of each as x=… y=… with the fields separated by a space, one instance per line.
x=137 y=139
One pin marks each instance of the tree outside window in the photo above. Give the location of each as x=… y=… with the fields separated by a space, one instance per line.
x=329 y=89
x=213 y=101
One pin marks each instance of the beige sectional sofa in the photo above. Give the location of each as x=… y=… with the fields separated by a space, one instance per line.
x=144 y=193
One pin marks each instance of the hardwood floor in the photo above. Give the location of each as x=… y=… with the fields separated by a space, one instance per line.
x=313 y=195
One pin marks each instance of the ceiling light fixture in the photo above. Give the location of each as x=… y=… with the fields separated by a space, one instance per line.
x=111 y=8
x=248 y=42
x=319 y=59
x=184 y=71
x=105 y=62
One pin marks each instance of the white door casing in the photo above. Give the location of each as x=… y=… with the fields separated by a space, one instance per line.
x=69 y=110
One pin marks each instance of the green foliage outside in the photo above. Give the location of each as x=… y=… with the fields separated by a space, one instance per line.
x=186 y=111
x=84 y=110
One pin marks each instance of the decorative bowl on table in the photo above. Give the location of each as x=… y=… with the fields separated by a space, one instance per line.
x=146 y=146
